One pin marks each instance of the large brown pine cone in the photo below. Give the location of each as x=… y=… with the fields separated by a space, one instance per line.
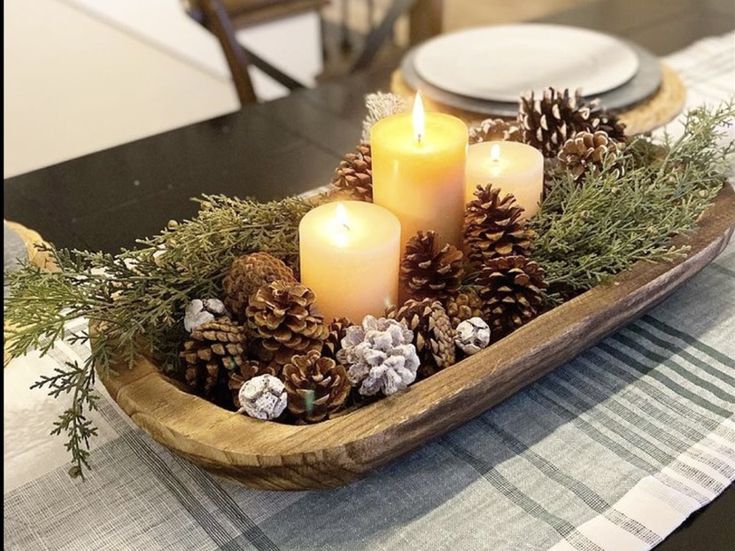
x=211 y=351
x=316 y=386
x=493 y=227
x=337 y=332
x=491 y=130
x=354 y=175
x=431 y=271
x=433 y=333
x=550 y=121
x=248 y=370
x=285 y=321
x=512 y=290
x=467 y=304
x=247 y=274
x=586 y=151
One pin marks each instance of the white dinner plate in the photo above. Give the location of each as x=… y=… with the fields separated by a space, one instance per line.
x=499 y=63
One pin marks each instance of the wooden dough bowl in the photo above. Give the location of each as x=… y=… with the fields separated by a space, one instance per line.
x=275 y=456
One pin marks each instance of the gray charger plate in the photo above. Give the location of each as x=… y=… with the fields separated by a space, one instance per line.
x=642 y=86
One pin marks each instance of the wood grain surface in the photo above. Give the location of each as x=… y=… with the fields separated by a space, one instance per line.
x=656 y=111
x=277 y=456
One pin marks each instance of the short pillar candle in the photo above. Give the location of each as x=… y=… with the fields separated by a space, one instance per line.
x=513 y=167
x=349 y=256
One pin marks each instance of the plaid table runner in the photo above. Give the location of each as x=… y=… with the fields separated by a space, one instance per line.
x=612 y=451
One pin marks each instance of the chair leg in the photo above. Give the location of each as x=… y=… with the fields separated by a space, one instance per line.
x=345 y=43
x=377 y=37
x=218 y=22
x=276 y=74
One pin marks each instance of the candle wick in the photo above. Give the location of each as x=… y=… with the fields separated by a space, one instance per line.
x=345 y=226
x=419 y=137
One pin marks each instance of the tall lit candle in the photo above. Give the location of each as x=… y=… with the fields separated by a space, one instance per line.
x=419 y=170
x=513 y=167
x=349 y=254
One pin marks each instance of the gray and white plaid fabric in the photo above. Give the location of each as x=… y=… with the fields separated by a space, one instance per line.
x=612 y=451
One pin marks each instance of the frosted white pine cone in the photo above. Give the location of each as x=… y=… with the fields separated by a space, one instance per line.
x=263 y=397
x=199 y=312
x=379 y=356
x=472 y=335
x=379 y=106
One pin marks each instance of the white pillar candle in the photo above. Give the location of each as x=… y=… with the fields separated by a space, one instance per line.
x=513 y=167
x=349 y=256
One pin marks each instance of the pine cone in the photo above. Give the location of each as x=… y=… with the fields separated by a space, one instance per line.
x=201 y=311
x=213 y=349
x=472 y=335
x=247 y=274
x=428 y=271
x=337 y=332
x=586 y=151
x=283 y=316
x=512 y=290
x=600 y=119
x=464 y=306
x=433 y=333
x=493 y=227
x=550 y=121
x=263 y=397
x=491 y=130
x=316 y=386
x=248 y=370
x=379 y=356
x=354 y=175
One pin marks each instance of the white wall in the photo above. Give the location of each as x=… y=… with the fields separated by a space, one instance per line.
x=85 y=75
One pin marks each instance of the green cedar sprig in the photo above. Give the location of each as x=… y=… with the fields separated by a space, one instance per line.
x=588 y=233
x=137 y=298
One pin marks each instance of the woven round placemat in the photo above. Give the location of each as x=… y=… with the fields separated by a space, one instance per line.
x=646 y=116
x=33 y=242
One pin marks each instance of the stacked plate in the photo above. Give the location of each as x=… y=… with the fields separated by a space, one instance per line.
x=486 y=69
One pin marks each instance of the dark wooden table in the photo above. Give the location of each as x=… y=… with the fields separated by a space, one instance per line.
x=108 y=199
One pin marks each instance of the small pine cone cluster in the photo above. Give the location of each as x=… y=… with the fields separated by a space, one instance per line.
x=316 y=386
x=353 y=176
x=247 y=274
x=283 y=317
x=212 y=350
x=432 y=330
x=512 y=292
x=557 y=116
x=429 y=270
x=494 y=227
x=491 y=130
x=467 y=304
x=586 y=151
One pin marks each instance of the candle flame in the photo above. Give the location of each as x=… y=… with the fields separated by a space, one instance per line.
x=495 y=153
x=418 y=117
